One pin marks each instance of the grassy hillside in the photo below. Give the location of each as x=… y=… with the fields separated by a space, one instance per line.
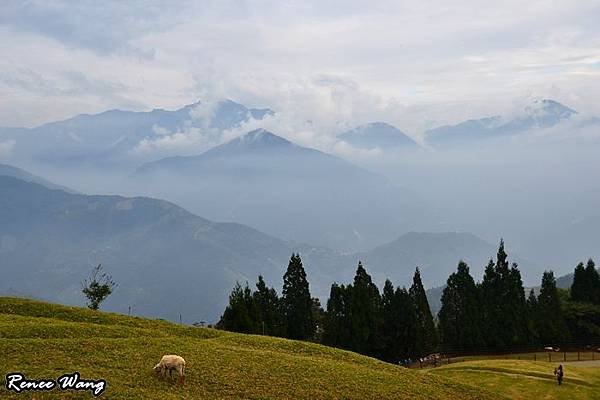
x=527 y=379
x=45 y=341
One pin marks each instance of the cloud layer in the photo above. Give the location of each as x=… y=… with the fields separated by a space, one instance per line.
x=323 y=67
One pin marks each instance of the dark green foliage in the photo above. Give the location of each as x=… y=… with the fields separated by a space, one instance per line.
x=460 y=317
x=296 y=301
x=319 y=318
x=579 y=286
x=550 y=323
x=532 y=310
x=583 y=321
x=504 y=304
x=593 y=280
x=426 y=332
x=242 y=313
x=490 y=294
x=400 y=328
x=586 y=283
x=337 y=319
x=97 y=287
x=365 y=304
x=269 y=309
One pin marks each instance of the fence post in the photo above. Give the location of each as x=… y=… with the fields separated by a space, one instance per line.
x=549 y=356
x=565 y=356
x=534 y=356
x=420 y=363
x=578 y=356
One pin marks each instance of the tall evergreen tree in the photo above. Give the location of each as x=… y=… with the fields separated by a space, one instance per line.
x=390 y=326
x=551 y=325
x=399 y=330
x=516 y=309
x=269 y=309
x=532 y=315
x=365 y=314
x=490 y=295
x=337 y=319
x=426 y=332
x=241 y=315
x=504 y=303
x=593 y=282
x=297 y=302
x=460 y=316
x=579 y=289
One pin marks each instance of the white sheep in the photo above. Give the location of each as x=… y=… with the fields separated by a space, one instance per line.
x=169 y=363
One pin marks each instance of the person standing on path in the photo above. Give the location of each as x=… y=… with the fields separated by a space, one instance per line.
x=559 y=374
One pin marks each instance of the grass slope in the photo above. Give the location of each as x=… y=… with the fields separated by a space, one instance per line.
x=526 y=379
x=45 y=340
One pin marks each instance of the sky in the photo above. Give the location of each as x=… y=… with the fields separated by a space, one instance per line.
x=334 y=64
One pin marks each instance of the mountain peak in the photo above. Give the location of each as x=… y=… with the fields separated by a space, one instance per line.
x=258 y=140
x=541 y=107
x=377 y=135
x=262 y=136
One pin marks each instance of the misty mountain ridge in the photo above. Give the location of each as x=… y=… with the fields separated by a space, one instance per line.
x=540 y=113
x=378 y=135
x=167 y=260
x=117 y=136
x=18 y=173
x=286 y=190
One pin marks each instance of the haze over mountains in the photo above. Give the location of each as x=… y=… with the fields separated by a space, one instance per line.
x=124 y=138
x=168 y=261
x=534 y=183
x=378 y=135
x=541 y=113
x=286 y=190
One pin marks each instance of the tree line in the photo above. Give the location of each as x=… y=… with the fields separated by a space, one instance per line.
x=396 y=324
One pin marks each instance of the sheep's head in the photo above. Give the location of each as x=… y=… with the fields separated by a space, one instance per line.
x=157 y=368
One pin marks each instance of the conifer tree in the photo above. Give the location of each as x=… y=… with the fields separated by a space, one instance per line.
x=551 y=325
x=532 y=315
x=297 y=302
x=337 y=329
x=516 y=308
x=426 y=333
x=460 y=316
x=399 y=329
x=579 y=289
x=490 y=294
x=365 y=306
x=593 y=282
x=241 y=315
x=269 y=309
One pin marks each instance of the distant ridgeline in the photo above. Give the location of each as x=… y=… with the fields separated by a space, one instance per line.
x=397 y=325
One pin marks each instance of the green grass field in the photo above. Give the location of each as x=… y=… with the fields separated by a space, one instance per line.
x=517 y=379
x=45 y=341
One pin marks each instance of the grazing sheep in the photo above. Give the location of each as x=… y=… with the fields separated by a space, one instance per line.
x=169 y=363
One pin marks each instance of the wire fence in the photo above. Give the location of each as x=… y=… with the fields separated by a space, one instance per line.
x=571 y=352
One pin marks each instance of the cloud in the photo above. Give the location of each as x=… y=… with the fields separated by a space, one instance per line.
x=413 y=64
x=6 y=148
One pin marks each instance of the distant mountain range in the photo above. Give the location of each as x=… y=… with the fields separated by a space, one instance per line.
x=9 y=170
x=115 y=136
x=289 y=191
x=165 y=260
x=378 y=135
x=168 y=261
x=540 y=114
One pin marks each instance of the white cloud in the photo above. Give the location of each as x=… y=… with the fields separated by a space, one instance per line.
x=413 y=64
